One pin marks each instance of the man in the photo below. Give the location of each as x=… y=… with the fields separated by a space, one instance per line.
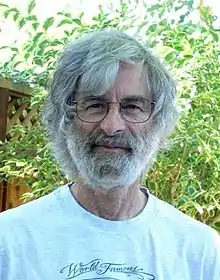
x=111 y=105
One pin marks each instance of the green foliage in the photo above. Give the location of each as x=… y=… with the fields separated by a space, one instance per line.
x=47 y=39
x=31 y=6
x=30 y=161
x=186 y=175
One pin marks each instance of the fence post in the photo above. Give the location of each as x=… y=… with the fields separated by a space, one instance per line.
x=4 y=94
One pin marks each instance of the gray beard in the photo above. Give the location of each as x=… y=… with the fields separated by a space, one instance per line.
x=106 y=171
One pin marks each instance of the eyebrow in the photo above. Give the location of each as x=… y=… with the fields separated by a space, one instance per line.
x=132 y=97
x=136 y=97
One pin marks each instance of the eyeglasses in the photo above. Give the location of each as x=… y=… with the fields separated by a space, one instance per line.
x=95 y=109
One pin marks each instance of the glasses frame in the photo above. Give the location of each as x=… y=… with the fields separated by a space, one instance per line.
x=108 y=108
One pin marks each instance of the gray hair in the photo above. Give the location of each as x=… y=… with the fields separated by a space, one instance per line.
x=90 y=65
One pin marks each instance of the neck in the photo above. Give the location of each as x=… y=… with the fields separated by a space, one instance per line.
x=115 y=204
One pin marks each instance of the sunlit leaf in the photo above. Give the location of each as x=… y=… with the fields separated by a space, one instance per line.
x=16 y=16
x=9 y=11
x=215 y=35
x=4 y=47
x=65 y=21
x=31 y=18
x=6 y=13
x=48 y=23
x=65 y=14
x=31 y=6
x=20 y=163
x=21 y=23
x=17 y=63
x=37 y=37
x=3 y=5
x=77 y=21
x=35 y=25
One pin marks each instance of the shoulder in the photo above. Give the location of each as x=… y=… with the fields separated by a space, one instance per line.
x=194 y=239
x=172 y=216
x=182 y=225
x=29 y=213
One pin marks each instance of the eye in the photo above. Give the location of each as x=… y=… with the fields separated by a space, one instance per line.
x=95 y=106
x=132 y=107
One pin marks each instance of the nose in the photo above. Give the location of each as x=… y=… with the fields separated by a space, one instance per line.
x=113 y=122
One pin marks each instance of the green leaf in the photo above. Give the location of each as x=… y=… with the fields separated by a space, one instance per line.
x=27 y=55
x=17 y=63
x=15 y=17
x=64 y=21
x=184 y=199
x=56 y=42
x=77 y=21
x=67 y=33
x=170 y=56
x=9 y=11
x=37 y=37
x=6 y=13
x=48 y=22
x=81 y=15
x=20 y=163
x=14 y=49
x=44 y=44
x=4 y=47
x=31 y=18
x=64 y=14
x=191 y=190
x=188 y=56
x=21 y=23
x=6 y=169
x=49 y=54
x=205 y=13
x=154 y=7
x=3 y=5
x=31 y=6
x=215 y=35
x=152 y=27
x=35 y=25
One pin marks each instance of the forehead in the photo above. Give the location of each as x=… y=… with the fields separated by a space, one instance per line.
x=130 y=81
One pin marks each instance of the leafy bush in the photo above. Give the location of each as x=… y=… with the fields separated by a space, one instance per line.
x=187 y=175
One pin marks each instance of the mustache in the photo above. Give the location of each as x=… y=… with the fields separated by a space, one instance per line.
x=122 y=139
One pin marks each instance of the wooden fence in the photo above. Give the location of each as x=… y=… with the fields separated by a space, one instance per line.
x=14 y=109
x=11 y=194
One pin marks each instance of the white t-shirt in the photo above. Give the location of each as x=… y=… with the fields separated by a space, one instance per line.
x=55 y=238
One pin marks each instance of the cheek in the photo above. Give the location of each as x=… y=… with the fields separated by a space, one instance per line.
x=145 y=130
x=138 y=128
x=86 y=127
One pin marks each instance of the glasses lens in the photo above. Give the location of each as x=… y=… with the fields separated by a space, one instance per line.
x=135 y=110
x=91 y=109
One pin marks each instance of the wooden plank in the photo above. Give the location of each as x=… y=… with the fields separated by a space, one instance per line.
x=29 y=116
x=17 y=89
x=4 y=94
x=11 y=103
x=19 y=95
x=15 y=190
x=14 y=119
x=3 y=195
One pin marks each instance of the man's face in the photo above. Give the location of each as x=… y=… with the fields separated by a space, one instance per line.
x=114 y=152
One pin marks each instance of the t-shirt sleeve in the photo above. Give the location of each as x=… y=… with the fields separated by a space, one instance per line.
x=212 y=260
x=4 y=264
x=7 y=229
x=217 y=261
